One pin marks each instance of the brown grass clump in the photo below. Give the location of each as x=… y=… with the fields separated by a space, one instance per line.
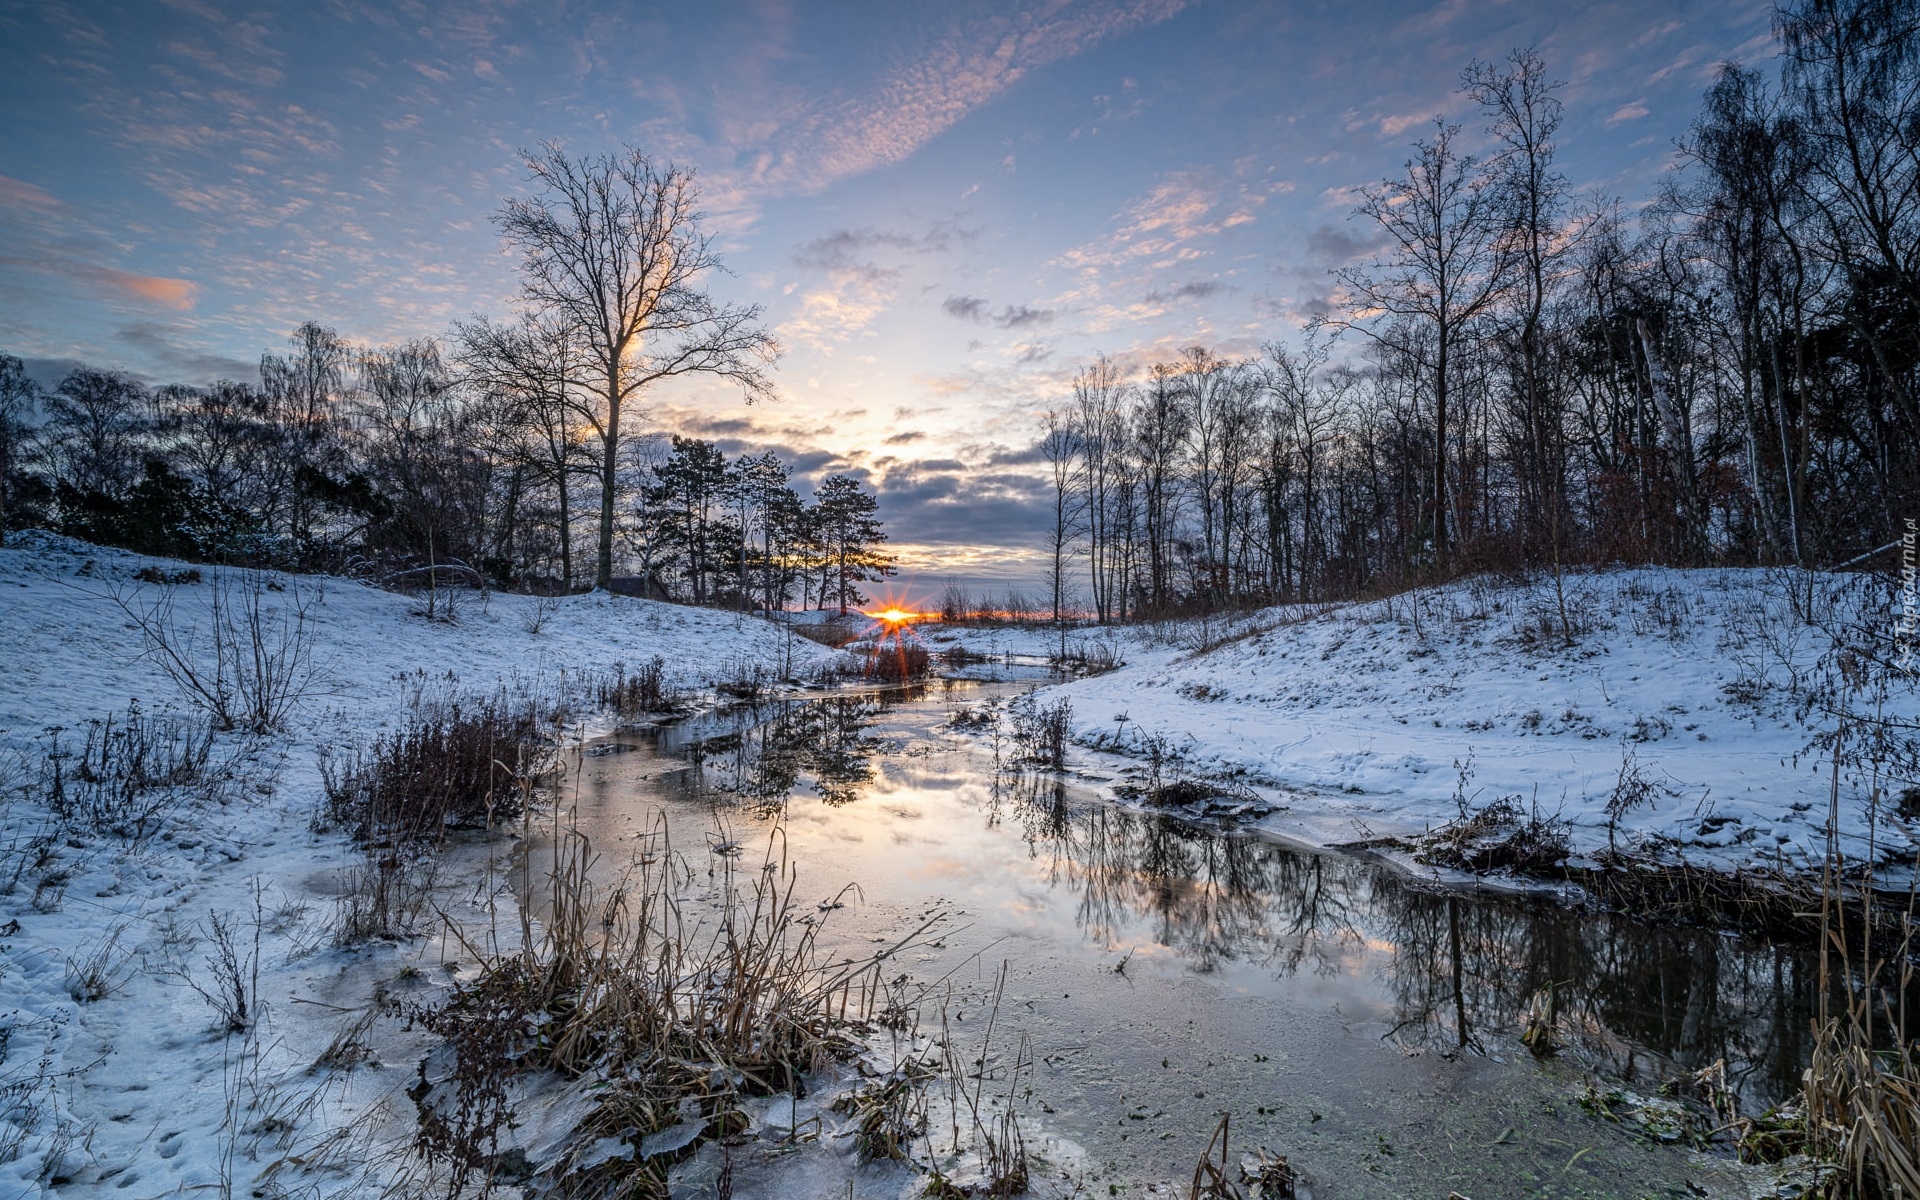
x=638 y=693
x=1499 y=837
x=670 y=1014
x=897 y=661
x=451 y=764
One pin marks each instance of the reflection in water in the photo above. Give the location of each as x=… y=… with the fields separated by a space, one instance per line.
x=1448 y=967
x=1453 y=964
x=762 y=754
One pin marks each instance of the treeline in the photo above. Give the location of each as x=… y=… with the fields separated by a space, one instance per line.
x=403 y=462
x=1729 y=373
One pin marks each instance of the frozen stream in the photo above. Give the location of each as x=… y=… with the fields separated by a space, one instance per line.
x=1358 y=1020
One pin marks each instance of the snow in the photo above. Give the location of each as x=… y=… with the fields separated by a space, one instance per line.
x=1367 y=720
x=143 y=1089
x=1360 y=720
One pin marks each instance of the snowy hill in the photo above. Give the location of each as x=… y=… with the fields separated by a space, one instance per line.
x=1377 y=719
x=115 y=1069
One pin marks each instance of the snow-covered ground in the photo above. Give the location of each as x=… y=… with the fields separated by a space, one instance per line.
x=1362 y=720
x=115 y=1071
x=1375 y=719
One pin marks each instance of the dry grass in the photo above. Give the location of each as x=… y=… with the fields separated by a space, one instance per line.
x=642 y=692
x=127 y=773
x=672 y=1009
x=1861 y=1092
x=1040 y=731
x=450 y=764
x=898 y=661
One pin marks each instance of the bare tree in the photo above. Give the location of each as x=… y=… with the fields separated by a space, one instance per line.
x=1060 y=446
x=1100 y=397
x=612 y=249
x=528 y=368
x=1446 y=265
x=18 y=397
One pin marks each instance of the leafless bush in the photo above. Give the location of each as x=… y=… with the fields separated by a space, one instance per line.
x=228 y=978
x=451 y=763
x=248 y=662
x=643 y=691
x=1500 y=836
x=1040 y=731
x=102 y=970
x=387 y=895
x=1632 y=789
x=127 y=772
x=897 y=661
x=745 y=679
x=539 y=614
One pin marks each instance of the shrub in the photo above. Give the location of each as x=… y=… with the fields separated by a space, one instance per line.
x=451 y=764
x=248 y=663
x=897 y=661
x=630 y=695
x=127 y=772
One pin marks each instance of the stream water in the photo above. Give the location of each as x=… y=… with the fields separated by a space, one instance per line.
x=1359 y=1020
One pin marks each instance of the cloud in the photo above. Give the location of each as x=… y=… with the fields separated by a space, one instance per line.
x=1021 y=317
x=966 y=308
x=163 y=347
x=1174 y=222
x=115 y=284
x=1013 y=316
x=155 y=289
x=1631 y=111
x=17 y=193
x=1330 y=245
x=963 y=68
x=1196 y=289
x=856 y=248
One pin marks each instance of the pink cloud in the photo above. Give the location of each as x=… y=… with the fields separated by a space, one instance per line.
x=154 y=289
x=15 y=193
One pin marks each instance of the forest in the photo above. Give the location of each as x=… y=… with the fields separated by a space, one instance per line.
x=392 y=462
x=1523 y=376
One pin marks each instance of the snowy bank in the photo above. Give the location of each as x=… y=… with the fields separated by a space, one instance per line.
x=1706 y=691
x=121 y=1060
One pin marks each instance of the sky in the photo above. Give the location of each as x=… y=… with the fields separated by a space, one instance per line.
x=944 y=208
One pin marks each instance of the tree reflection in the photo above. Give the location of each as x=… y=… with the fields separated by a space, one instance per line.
x=763 y=754
x=1457 y=967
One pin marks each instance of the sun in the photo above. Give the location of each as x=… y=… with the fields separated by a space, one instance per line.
x=894 y=616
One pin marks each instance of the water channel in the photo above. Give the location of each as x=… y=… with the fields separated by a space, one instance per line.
x=1354 y=1017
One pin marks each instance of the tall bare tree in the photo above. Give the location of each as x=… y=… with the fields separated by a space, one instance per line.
x=1060 y=446
x=1100 y=397
x=1445 y=266
x=528 y=367
x=612 y=247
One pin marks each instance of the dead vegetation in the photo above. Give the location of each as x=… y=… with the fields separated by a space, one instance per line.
x=249 y=661
x=665 y=1009
x=1262 y=1175
x=126 y=773
x=642 y=691
x=1040 y=731
x=896 y=660
x=452 y=763
x=1499 y=836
